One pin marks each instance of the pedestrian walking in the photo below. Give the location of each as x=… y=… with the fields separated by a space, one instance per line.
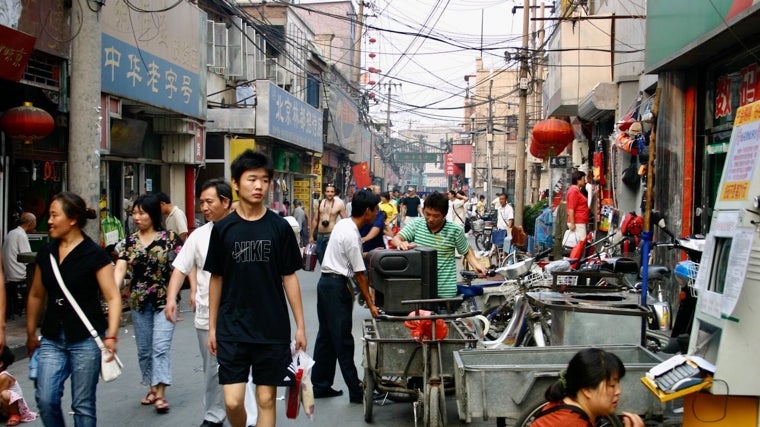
x=329 y=211
x=67 y=349
x=253 y=257
x=176 y=220
x=148 y=255
x=215 y=199
x=343 y=260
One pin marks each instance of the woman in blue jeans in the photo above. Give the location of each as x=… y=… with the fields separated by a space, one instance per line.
x=148 y=254
x=67 y=349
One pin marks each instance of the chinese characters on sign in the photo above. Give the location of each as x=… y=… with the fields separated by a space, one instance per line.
x=283 y=116
x=733 y=90
x=15 y=48
x=136 y=74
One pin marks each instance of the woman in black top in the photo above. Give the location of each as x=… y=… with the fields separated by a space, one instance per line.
x=66 y=348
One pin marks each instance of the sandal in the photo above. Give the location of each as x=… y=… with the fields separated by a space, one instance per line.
x=162 y=406
x=149 y=398
x=13 y=420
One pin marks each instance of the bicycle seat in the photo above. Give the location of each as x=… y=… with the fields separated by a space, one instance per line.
x=469 y=291
x=620 y=265
x=656 y=272
x=469 y=275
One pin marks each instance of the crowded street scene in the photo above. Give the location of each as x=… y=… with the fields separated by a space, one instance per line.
x=263 y=213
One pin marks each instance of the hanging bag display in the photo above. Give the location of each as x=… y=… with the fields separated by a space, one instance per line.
x=109 y=370
x=631 y=175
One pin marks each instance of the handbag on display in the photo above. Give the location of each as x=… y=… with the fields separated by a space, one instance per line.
x=109 y=370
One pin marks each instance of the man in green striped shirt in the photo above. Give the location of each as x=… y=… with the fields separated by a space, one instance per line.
x=435 y=232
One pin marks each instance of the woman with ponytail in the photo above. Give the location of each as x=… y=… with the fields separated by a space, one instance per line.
x=588 y=389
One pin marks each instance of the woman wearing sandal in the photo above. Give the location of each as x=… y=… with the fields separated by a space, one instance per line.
x=87 y=270
x=148 y=254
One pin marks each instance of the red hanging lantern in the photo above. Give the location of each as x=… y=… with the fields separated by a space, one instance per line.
x=552 y=135
x=372 y=54
x=372 y=70
x=27 y=123
x=372 y=39
x=371 y=95
x=371 y=82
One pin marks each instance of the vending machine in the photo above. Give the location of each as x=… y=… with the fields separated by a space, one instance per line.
x=727 y=319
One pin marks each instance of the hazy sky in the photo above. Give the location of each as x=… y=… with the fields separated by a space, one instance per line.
x=428 y=46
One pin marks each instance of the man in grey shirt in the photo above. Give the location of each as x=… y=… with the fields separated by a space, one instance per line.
x=16 y=242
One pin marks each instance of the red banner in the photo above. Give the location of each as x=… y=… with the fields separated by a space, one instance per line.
x=15 y=49
x=448 y=165
x=361 y=175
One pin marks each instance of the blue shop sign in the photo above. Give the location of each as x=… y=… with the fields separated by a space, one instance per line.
x=138 y=75
x=283 y=116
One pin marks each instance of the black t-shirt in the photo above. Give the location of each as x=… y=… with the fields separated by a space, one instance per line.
x=412 y=205
x=252 y=257
x=79 y=272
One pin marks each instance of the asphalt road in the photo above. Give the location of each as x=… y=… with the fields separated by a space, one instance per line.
x=119 y=401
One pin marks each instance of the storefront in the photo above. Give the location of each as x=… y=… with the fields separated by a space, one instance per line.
x=153 y=106
x=33 y=69
x=707 y=68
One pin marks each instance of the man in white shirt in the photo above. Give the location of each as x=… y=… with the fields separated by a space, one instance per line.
x=176 y=220
x=215 y=201
x=505 y=215
x=16 y=242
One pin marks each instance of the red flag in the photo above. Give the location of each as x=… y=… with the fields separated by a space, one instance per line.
x=361 y=175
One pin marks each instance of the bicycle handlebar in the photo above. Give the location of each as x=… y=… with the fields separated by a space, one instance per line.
x=431 y=316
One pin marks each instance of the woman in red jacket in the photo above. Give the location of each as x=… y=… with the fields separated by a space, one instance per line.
x=588 y=389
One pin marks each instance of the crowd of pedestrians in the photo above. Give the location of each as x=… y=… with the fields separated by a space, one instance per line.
x=243 y=326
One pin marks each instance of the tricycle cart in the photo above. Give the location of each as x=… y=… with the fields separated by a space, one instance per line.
x=510 y=382
x=422 y=372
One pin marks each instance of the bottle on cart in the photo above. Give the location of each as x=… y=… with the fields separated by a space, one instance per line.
x=34 y=364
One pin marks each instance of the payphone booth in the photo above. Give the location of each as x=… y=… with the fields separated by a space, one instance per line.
x=727 y=321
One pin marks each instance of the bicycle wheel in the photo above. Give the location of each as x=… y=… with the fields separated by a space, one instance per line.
x=499 y=316
x=479 y=241
x=527 y=418
x=369 y=389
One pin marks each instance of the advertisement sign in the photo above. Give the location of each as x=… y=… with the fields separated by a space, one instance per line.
x=283 y=116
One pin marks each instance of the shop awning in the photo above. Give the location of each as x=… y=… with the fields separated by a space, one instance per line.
x=601 y=101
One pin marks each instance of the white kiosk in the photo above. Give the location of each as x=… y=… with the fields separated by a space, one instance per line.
x=726 y=329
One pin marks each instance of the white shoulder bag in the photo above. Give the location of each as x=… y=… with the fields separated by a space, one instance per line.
x=110 y=370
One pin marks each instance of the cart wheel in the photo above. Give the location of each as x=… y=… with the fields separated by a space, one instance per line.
x=432 y=409
x=527 y=418
x=369 y=389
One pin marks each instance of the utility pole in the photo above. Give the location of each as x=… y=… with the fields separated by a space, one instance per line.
x=522 y=125
x=86 y=131
x=358 y=45
x=387 y=147
x=538 y=94
x=489 y=144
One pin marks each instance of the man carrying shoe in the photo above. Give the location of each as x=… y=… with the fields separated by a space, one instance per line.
x=335 y=298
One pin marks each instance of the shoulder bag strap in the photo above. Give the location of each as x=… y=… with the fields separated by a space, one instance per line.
x=75 y=305
x=570 y=408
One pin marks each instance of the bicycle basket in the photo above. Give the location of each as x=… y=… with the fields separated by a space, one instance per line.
x=478 y=225
x=688 y=270
x=536 y=279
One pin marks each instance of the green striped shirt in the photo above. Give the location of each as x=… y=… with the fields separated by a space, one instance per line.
x=450 y=238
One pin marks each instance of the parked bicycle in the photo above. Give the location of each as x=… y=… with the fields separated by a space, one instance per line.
x=513 y=322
